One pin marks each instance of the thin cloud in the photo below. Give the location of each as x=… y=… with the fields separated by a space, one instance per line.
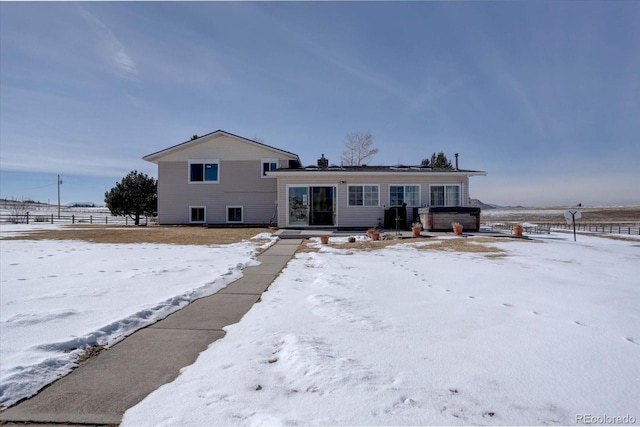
x=114 y=50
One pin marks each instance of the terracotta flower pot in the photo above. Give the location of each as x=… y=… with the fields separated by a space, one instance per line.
x=375 y=235
x=517 y=230
x=324 y=239
x=416 y=231
x=457 y=229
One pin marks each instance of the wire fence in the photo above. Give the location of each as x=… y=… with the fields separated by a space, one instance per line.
x=622 y=228
x=632 y=229
x=50 y=218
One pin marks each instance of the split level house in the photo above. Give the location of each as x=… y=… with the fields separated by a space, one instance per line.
x=225 y=179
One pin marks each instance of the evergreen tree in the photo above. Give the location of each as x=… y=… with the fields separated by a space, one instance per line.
x=135 y=195
x=438 y=161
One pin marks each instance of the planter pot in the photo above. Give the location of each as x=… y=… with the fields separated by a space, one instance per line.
x=457 y=229
x=352 y=239
x=375 y=235
x=324 y=239
x=517 y=230
x=416 y=231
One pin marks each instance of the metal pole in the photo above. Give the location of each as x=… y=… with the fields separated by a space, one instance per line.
x=573 y=219
x=59 y=182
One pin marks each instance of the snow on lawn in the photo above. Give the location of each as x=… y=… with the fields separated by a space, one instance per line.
x=406 y=335
x=59 y=297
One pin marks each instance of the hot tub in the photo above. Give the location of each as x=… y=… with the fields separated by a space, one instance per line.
x=440 y=218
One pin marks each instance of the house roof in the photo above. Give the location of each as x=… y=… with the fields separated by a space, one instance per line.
x=154 y=157
x=366 y=170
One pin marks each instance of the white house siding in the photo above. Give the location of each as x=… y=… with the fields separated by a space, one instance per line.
x=220 y=146
x=364 y=216
x=241 y=184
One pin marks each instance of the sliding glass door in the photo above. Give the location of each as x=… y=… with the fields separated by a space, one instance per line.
x=298 y=206
x=311 y=206
x=322 y=206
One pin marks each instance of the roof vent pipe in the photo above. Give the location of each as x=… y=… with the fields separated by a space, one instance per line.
x=456 y=161
x=323 y=162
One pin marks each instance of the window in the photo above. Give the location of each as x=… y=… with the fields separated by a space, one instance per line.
x=445 y=195
x=234 y=214
x=409 y=194
x=269 y=165
x=364 y=195
x=204 y=171
x=197 y=214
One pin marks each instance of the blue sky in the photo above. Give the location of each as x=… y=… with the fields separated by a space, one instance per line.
x=544 y=96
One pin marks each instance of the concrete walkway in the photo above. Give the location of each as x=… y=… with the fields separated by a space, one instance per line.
x=99 y=391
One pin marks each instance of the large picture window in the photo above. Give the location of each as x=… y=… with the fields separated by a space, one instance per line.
x=409 y=194
x=204 y=171
x=364 y=195
x=445 y=195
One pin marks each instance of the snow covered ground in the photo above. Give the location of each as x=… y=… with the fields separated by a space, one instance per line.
x=544 y=332
x=59 y=297
x=530 y=332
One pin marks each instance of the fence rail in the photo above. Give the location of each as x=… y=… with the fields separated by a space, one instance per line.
x=624 y=228
x=42 y=218
x=545 y=228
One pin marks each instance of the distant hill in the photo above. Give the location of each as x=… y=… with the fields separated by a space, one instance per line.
x=476 y=203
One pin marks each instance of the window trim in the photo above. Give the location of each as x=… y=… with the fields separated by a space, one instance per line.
x=363 y=205
x=271 y=161
x=404 y=186
x=234 y=207
x=204 y=211
x=445 y=194
x=203 y=162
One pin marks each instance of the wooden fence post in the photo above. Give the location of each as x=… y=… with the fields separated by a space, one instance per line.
x=27 y=217
x=51 y=218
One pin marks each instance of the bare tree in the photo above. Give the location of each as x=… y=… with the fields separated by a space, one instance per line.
x=18 y=210
x=358 y=148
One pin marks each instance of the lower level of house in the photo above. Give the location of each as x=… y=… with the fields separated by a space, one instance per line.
x=362 y=205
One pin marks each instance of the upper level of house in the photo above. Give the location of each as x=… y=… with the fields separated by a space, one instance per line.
x=220 y=146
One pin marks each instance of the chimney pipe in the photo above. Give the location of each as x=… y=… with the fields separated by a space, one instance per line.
x=323 y=163
x=456 y=160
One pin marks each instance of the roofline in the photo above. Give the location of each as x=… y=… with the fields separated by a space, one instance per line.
x=153 y=157
x=298 y=172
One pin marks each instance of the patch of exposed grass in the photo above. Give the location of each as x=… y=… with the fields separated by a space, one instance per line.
x=459 y=244
x=178 y=235
x=463 y=244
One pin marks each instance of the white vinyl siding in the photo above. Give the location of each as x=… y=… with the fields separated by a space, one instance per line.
x=241 y=185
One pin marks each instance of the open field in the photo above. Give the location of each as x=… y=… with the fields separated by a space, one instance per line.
x=556 y=215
